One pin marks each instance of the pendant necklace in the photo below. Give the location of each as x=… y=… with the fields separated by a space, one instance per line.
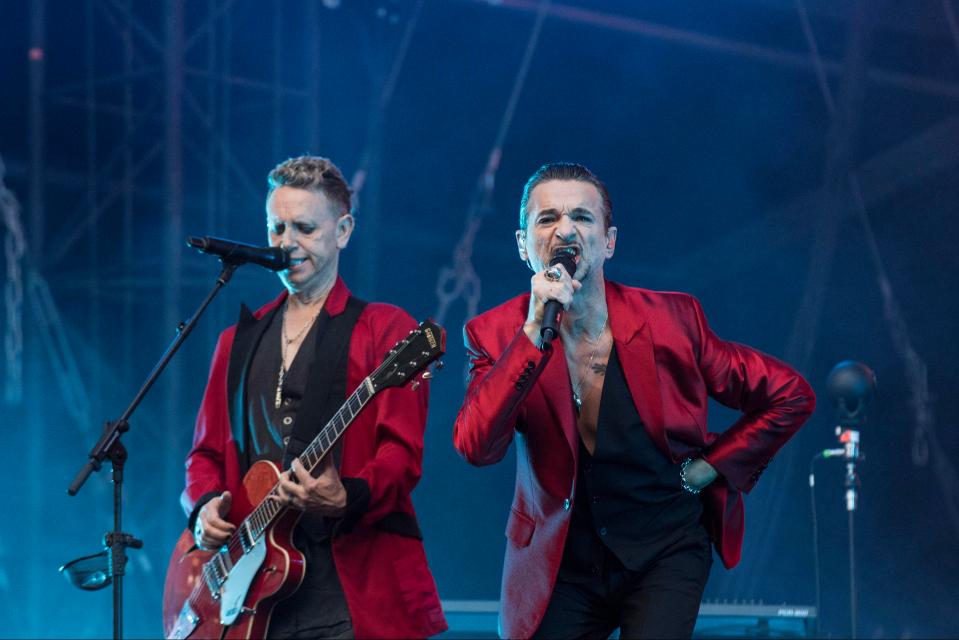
x=577 y=398
x=284 y=343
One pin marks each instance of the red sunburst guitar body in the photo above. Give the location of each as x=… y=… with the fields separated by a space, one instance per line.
x=256 y=582
x=231 y=592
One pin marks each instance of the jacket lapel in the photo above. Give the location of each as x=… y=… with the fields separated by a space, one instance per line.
x=558 y=393
x=634 y=343
x=316 y=395
x=249 y=331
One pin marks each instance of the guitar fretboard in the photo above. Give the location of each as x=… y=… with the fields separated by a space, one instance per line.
x=257 y=522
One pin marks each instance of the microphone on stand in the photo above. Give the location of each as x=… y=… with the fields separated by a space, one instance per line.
x=238 y=253
x=553 y=313
x=850 y=386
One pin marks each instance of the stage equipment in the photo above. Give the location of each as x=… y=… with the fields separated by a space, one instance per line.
x=850 y=386
x=725 y=619
x=109 y=447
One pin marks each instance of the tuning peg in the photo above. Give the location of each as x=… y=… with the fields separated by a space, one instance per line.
x=427 y=375
x=440 y=364
x=415 y=385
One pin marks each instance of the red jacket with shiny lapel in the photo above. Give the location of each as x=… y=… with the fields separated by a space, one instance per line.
x=388 y=586
x=672 y=362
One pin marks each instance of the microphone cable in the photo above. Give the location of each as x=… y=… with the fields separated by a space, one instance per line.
x=815 y=540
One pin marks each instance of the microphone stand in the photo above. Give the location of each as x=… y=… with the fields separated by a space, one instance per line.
x=109 y=447
x=849 y=437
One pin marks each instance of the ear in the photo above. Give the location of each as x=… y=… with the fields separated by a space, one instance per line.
x=610 y=242
x=344 y=229
x=521 y=245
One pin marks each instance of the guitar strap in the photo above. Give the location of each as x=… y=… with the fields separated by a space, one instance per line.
x=326 y=389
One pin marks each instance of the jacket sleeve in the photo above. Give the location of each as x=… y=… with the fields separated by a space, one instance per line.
x=205 y=475
x=391 y=473
x=774 y=398
x=497 y=387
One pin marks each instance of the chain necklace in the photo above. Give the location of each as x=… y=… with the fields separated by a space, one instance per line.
x=284 y=343
x=577 y=389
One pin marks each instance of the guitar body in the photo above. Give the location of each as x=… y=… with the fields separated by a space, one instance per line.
x=262 y=576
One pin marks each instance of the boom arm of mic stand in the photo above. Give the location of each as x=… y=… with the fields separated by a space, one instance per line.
x=110 y=446
x=113 y=430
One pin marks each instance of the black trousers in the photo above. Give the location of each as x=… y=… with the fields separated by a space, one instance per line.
x=318 y=608
x=661 y=600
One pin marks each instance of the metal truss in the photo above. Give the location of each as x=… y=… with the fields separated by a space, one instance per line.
x=171 y=72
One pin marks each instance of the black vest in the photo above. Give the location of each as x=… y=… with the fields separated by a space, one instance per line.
x=323 y=392
x=628 y=499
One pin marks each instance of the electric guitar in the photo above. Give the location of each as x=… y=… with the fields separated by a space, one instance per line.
x=231 y=592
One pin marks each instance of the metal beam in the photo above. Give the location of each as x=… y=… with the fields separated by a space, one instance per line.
x=905 y=164
x=731 y=46
x=172 y=290
x=36 y=592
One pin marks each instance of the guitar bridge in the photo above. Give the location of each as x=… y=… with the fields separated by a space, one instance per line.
x=186 y=622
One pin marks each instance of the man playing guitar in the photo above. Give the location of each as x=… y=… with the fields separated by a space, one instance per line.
x=277 y=377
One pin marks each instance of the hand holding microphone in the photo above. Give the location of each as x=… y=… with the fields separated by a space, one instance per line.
x=551 y=291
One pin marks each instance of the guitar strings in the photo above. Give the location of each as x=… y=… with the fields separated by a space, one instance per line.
x=234 y=544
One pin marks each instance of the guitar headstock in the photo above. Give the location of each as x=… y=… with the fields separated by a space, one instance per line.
x=412 y=354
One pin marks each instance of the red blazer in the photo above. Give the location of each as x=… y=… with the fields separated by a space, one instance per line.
x=388 y=586
x=672 y=362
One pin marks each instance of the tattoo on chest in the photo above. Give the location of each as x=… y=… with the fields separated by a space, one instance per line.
x=599 y=368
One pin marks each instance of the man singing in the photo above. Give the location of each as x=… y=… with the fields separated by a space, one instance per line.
x=277 y=377
x=619 y=488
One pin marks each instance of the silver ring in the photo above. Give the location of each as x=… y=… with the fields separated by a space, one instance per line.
x=198 y=536
x=553 y=273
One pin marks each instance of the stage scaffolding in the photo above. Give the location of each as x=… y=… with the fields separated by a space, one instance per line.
x=147 y=72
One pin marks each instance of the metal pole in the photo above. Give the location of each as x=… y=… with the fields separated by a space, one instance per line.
x=36 y=588
x=128 y=291
x=213 y=213
x=278 y=46
x=173 y=475
x=313 y=78
x=93 y=238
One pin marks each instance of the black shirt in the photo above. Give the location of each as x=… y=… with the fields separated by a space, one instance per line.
x=629 y=499
x=319 y=603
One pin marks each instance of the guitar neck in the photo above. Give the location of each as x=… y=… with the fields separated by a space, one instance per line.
x=324 y=441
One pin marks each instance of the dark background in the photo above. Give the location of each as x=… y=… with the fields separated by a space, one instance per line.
x=792 y=164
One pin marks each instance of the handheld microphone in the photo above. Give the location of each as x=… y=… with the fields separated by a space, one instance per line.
x=552 y=315
x=237 y=253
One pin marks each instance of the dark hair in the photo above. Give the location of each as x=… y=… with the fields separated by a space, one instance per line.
x=565 y=171
x=313 y=173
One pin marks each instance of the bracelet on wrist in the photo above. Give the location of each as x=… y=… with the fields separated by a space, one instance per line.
x=682 y=477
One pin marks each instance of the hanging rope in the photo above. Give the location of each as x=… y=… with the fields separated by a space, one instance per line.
x=459 y=280
x=358 y=180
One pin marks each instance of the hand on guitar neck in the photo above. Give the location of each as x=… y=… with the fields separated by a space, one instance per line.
x=212 y=530
x=323 y=493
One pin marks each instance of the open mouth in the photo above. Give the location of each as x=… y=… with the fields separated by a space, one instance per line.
x=570 y=250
